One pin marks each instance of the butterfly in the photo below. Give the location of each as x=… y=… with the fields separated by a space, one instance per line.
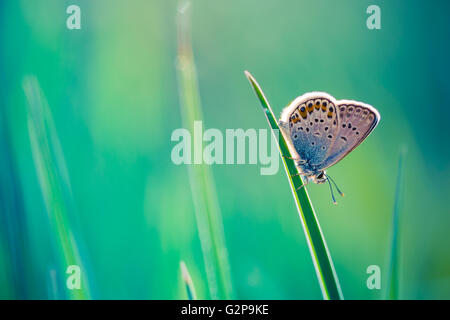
x=320 y=131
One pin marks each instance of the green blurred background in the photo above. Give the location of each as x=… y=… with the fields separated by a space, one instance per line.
x=112 y=92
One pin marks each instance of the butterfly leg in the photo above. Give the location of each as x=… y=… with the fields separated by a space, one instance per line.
x=291 y=158
x=301 y=174
x=297 y=160
x=305 y=181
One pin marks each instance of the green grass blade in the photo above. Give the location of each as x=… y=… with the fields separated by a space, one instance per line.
x=12 y=213
x=392 y=287
x=190 y=289
x=54 y=182
x=52 y=285
x=323 y=263
x=208 y=216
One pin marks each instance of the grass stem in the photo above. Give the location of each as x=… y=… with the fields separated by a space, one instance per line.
x=320 y=254
x=190 y=289
x=392 y=287
x=54 y=182
x=207 y=211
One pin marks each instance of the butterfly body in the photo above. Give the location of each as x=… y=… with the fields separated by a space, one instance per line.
x=321 y=130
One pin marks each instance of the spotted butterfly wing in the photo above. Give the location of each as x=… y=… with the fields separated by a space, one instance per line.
x=322 y=130
x=356 y=120
x=308 y=123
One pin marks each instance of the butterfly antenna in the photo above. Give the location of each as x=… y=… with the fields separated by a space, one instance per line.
x=334 y=183
x=332 y=194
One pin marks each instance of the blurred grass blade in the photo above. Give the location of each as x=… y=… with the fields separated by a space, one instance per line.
x=52 y=285
x=54 y=182
x=208 y=216
x=190 y=289
x=323 y=263
x=13 y=229
x=392 y=287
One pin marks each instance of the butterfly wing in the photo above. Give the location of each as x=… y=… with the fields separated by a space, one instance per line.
x=307 y=123
x=356 y=120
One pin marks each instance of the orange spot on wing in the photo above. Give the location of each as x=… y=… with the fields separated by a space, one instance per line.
x=303 y=112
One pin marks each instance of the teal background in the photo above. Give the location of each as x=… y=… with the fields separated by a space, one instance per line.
x=113 y=94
